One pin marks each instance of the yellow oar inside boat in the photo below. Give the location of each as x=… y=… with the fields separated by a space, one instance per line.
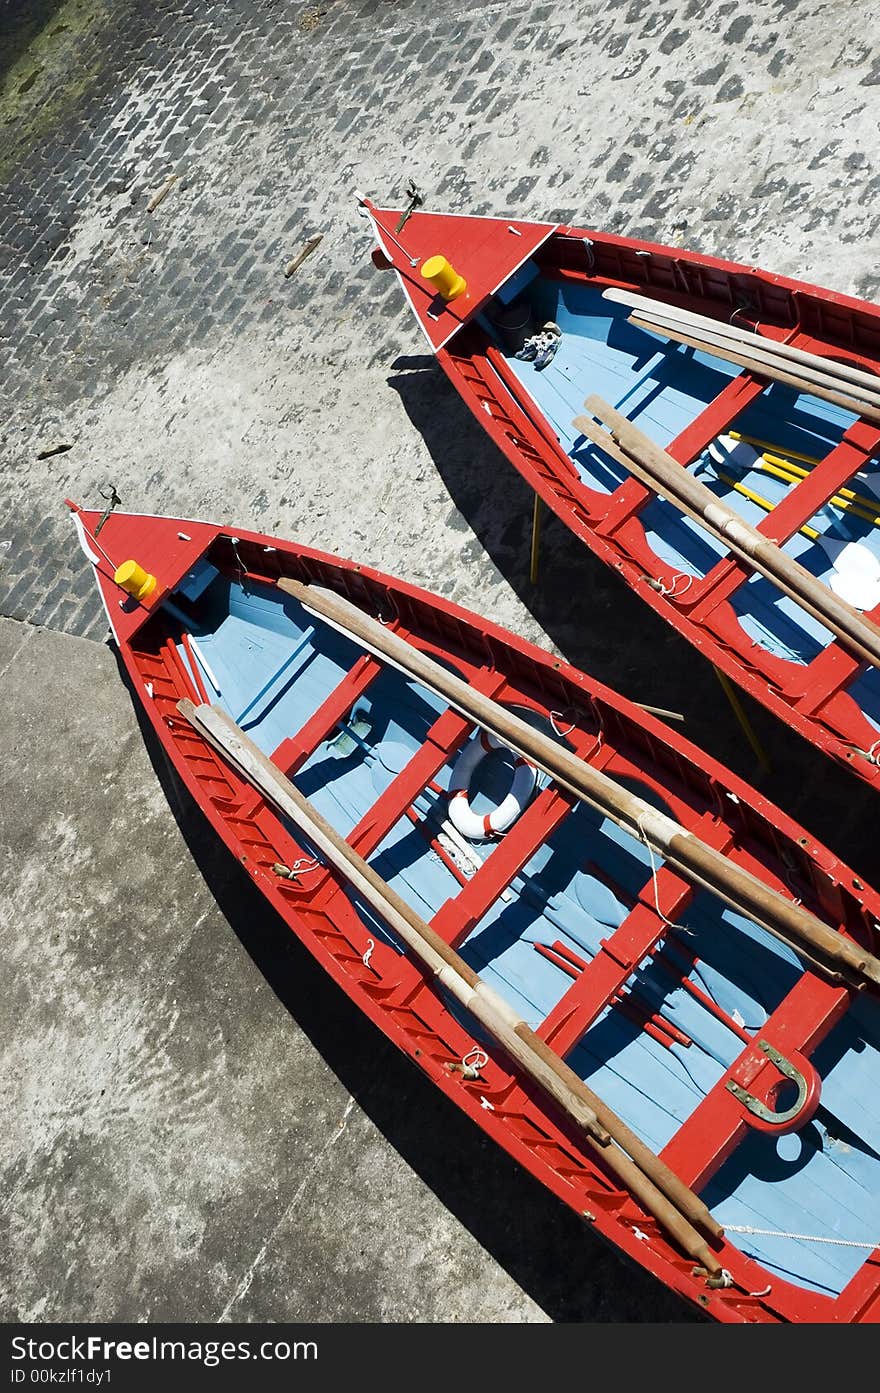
x=846 y=499
x=761 y=502
x=769 y=445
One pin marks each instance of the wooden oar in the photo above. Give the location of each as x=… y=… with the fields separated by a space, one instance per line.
x=696 y=860
x=665 y=476
x=653 y=1184
x=761 y=350
x=655 y=309
x=757 y=364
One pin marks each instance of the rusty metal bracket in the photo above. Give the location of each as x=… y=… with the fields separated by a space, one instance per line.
x=760 y=1109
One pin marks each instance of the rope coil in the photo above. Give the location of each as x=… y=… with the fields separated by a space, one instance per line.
x=558 y=716
x=672 y=592
x=475 y=1060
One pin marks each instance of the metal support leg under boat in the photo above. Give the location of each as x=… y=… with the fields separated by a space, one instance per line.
x=748 y=730
x=536 y=540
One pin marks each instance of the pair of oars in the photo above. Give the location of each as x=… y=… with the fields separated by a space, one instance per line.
x=832 y=952
x=838 y=382
x=675 y=1207
x=660 y=1192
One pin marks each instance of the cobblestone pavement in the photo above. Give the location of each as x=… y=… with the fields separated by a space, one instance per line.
x=166 y=352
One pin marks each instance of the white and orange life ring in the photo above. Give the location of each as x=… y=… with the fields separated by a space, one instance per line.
x=462 y=815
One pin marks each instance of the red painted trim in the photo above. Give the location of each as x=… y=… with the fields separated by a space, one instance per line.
x=293 y=752
x=193 y=662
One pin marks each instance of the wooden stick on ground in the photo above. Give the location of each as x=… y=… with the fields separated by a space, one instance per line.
x=653 y=1184
x=306 y=250
x=701 y=864
x=665 y=476
x=162 y=193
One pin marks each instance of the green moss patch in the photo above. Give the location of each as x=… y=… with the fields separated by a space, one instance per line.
x=56 y=58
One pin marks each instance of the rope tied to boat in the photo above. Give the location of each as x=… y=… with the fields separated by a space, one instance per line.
x=112 y=499
x=369 y=953
x=301 y=866
x=672 y=592
x=559 y=716
x=600 y=726
x=242 y=569
x=872 y=755
x=472 y=1062
x=800 y=1237
x=680 y=928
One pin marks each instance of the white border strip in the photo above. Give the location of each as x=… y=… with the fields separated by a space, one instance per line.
x=81 y=536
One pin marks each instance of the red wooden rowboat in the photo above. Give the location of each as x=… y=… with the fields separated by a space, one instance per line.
x=764 y=388
x=716 y=1116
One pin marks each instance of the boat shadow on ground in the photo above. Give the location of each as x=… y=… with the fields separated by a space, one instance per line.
x=597 y=623
x=570 y=1272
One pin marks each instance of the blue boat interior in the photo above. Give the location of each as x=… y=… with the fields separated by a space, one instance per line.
x=810 y=1201
x=662 y=386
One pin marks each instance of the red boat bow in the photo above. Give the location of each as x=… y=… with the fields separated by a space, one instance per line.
x=485 y=251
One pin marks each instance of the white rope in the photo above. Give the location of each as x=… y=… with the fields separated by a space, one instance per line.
x=600 y=727
x=303 y=865
x=369 y=953
x=872 y=755
x=242 y=569
x=668 y=922
x=671 y=592
x=560 y=733
x=475 y=1060
x=801 y=1237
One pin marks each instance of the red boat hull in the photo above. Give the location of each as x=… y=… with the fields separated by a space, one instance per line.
x=392 y=991
x=812 y=698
